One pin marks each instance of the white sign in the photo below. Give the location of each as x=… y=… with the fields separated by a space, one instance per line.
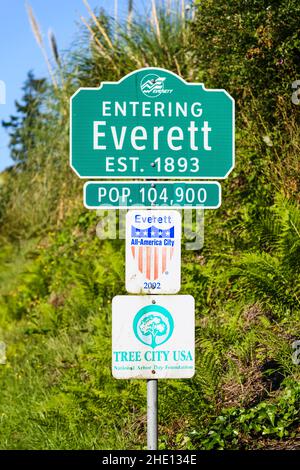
x=153 y=251
x=153 y=337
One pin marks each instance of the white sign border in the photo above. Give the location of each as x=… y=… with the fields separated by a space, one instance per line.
x=163 y=291
x=158 y=299
x=107 y=207
x=220 y=90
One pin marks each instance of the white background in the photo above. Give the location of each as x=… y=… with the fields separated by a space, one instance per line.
x=124 y=309
x=169 y=283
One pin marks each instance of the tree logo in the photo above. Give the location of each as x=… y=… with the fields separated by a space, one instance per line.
x=152 y=85
x=153 y=325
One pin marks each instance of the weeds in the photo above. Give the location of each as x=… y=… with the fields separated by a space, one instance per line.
x=58 y=278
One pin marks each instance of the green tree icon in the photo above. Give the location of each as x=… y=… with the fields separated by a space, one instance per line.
x=153 y=325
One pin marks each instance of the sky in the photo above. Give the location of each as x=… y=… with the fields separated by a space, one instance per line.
x=19 y=52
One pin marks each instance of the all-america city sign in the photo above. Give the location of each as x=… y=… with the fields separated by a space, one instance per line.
x=152 y=124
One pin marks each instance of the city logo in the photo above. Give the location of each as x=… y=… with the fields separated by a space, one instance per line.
x=153 y=85
x=152 y=249
x=153 y=325
x=2 y=92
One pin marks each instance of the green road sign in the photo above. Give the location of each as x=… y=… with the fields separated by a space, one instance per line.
x=152 y=124
x=101 y=195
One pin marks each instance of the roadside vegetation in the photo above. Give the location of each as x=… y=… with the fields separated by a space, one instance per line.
x=57 y=278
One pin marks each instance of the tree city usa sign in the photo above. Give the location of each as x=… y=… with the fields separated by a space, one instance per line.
x=152 y=124
x=153 y=337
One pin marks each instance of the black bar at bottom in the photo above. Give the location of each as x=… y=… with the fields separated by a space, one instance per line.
x=138 y=459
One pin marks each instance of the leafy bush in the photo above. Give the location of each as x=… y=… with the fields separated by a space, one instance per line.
x=234 y=428
x=58 y=278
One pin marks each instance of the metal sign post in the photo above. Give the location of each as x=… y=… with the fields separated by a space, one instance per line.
x=153 y=337
x=152 y=401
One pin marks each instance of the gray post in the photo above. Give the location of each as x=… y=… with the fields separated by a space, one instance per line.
x=152 y=414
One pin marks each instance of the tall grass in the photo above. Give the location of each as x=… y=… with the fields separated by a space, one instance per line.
x=39 y=39
x=45 y=182
x=58 y=280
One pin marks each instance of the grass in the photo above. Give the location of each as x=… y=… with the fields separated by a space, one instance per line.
x=58 y=278
x=58 y=353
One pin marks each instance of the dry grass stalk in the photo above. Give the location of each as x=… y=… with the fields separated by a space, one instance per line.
x=183 y=10
x=34 y=26
x=102 y=51
x=177 y=67
x=116 y=19
x=97 y=23
x=156 y=21
x=107 y=57
x=168 y=9
x=39 y=39
x=54 y=48
x=135 y=59
x=129 y=17
x=93 y=35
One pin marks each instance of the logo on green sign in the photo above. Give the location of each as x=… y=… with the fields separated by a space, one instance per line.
x=153 y=85
x=153 y=325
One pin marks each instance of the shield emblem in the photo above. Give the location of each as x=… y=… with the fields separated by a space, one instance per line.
x=153 y=250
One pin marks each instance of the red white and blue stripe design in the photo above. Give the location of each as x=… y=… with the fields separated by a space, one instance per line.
x=153 y=250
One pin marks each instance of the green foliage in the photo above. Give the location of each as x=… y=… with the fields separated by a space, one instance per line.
x=58 y=278
x=22 y=127
x=164 y=42
x=234 y=428
x=271 y=274
x=250 y=47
